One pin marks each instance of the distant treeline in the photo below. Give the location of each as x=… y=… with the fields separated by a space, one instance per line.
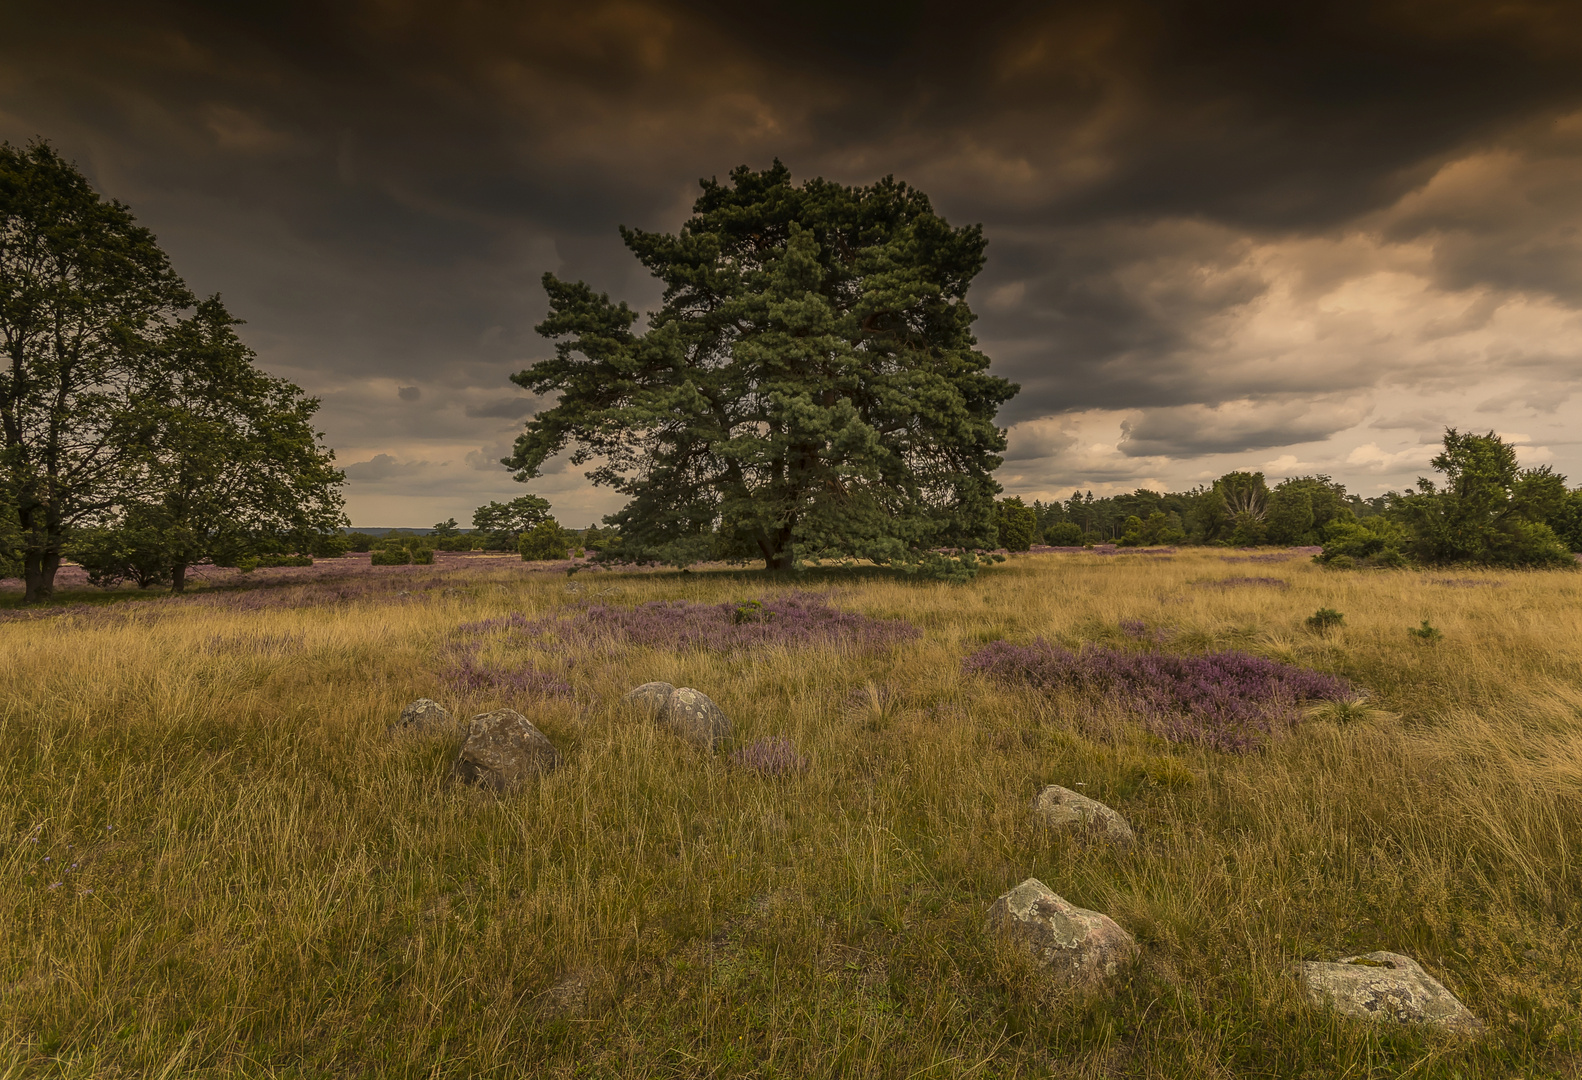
x=1487 y=510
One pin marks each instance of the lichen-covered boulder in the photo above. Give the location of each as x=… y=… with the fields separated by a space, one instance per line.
x=1060 y=807
x=1387 y=986
x=651 y=697
x=690 y=714
x=503 y=750
x=1080 y=949
x=421 y=717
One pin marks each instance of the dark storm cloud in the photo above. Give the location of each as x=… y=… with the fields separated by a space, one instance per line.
x=1175 y=193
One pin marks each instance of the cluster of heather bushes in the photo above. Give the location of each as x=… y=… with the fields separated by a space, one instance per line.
x=1487 y=510
x=1228 y=700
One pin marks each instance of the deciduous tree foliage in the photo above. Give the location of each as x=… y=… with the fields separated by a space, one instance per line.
x=1488 y=510
x=506 y=522
x=85 y=296
x=233 y=457
x=809 y=387
x=146 y=430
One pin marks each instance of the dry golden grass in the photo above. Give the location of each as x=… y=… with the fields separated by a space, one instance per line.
x=265 y=884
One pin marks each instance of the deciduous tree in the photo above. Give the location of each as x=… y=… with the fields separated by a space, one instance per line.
x=86 y=295
x=233 y=457
x=506 y=522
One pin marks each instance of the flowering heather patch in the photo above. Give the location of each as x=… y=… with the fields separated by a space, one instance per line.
x=1134 y=628
x=1465 y=582
x=466 y=673
x=1227 y=700
x=1268 y=557
x=1245 y=582
x=793 y=620
x=772 y=756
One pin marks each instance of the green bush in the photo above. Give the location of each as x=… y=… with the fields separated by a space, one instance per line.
x=1324 y=620
x=359 y=541
x=1426 y=633
x=391 y=556
x=1372 y=541
x=1063 y=534
x=1158 y=529
x=458 y=543
x=1017 y=524
x=329 y=545
x=546 y=540
x=423 y=556
x=282 y=560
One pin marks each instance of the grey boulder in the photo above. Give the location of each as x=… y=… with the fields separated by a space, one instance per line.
x=503 y=750
x=651 y=696
x=1387 y=986
x=1078 y=948
x=690 y=714
x=1060 y=807
x=422 y=716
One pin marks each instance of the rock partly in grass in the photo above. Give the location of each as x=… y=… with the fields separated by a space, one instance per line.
x=503 y=750
x=422 y=717
x=651 y=697
x=690 y=714
x=1060 y=807
x=1387 y=986
x=1080 y=949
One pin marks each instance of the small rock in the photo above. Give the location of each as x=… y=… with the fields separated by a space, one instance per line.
x=1080 y=948
x=502 y=750
x=421 y=717
x=1058 y=807
x=1387 y=986
x=651 y=696
x=690 y=714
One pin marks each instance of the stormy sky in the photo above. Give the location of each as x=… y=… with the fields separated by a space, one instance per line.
x=1295 y=238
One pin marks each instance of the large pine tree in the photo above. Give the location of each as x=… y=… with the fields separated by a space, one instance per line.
x=810 y=387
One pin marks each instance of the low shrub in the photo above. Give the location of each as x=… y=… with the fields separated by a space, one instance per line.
x=1245 y=582
x=1063 y=534
x=392 y=556
x=788 y=621
x=282 y=560
x=1426 y=633
x=423 y=556
x=467 y=673
x=1373 y=541
x=772 y=756
x=1324 y=620
x=1228 y=700
x=546 y=540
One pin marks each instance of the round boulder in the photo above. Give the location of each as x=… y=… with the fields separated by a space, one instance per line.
x=651 y=697
x=1387 y=986
x=690 y=714
x=1078 y=948
x=1060 y=807
x=503 y=749
x=422 y=716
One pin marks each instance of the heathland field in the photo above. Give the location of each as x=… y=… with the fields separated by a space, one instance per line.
x=215 y=860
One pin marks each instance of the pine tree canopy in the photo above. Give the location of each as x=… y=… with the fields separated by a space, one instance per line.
x=810 y=387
